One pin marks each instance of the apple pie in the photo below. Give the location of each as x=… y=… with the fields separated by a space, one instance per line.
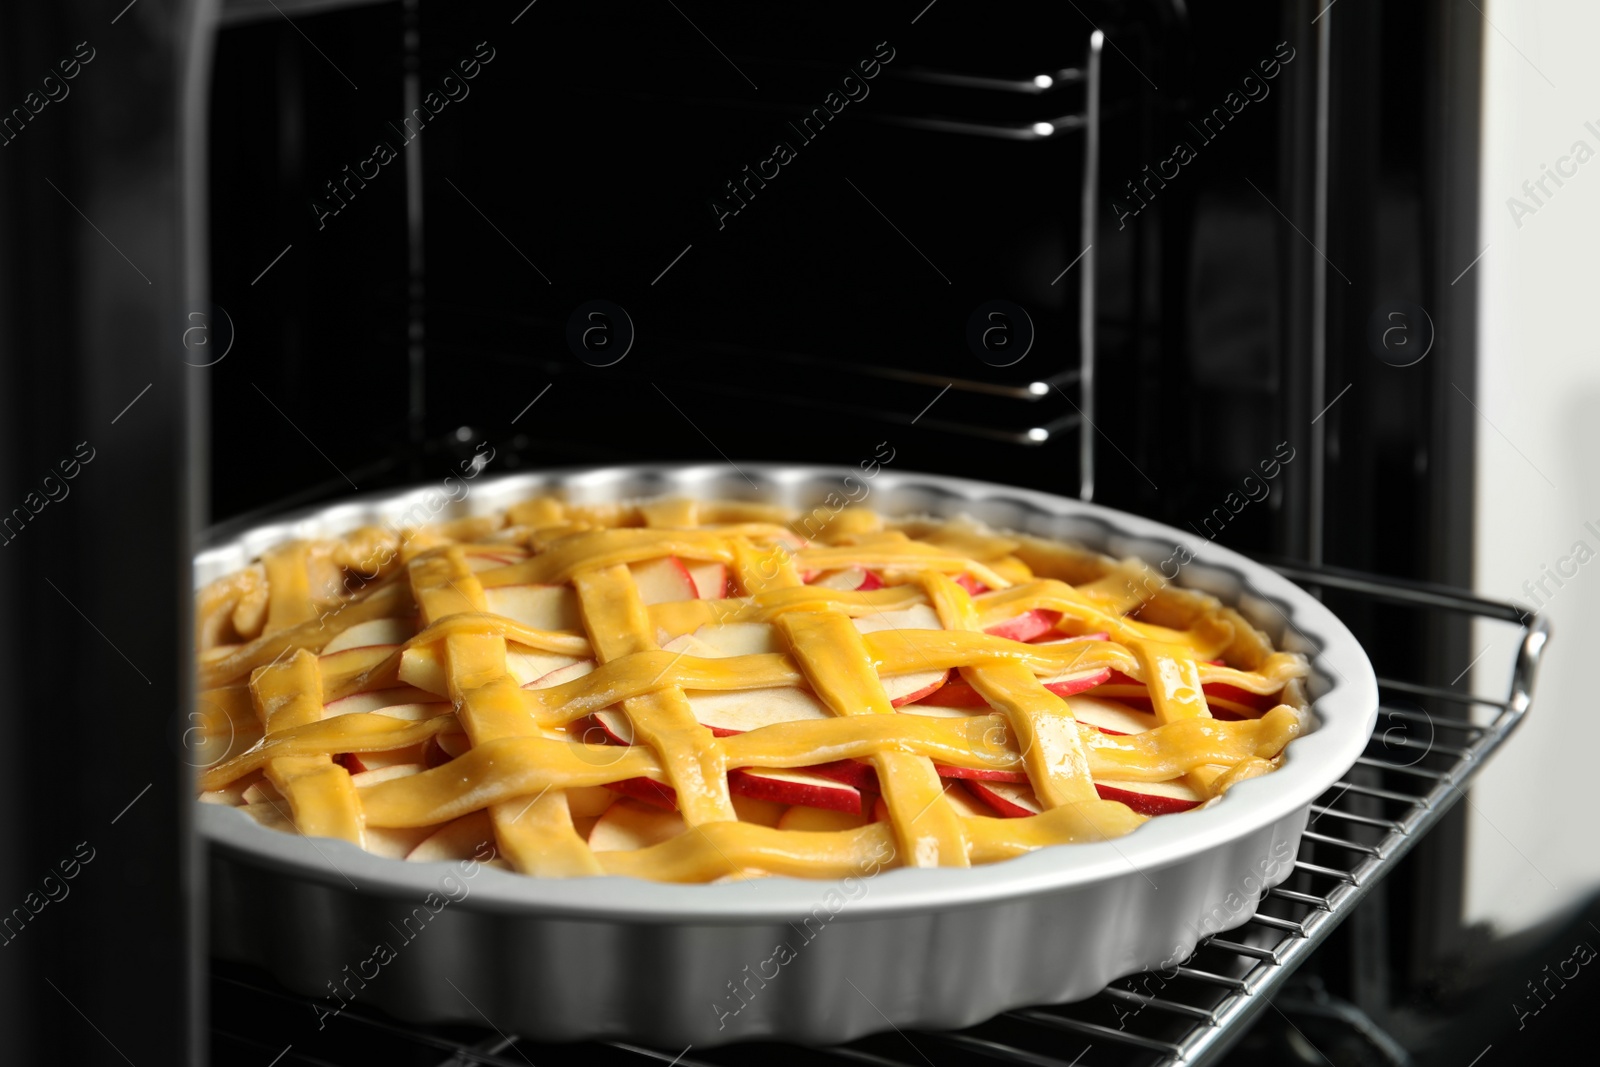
x=694 y=691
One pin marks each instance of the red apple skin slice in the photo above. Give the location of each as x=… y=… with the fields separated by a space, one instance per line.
x=794 y=787
x=1073 y=684
x=1058 y=638
x=980 y=802
x=377 y=699
x=1254 y=702
x=543 y=607
x=1110 y=717
x=964 y=804
x=1028 y=626
x=562 y=674
x=849 y=771
x=363 y=762
x=971 y=584
x=647 y=790
x=837 y=786
x=373 y=632
x=1151 y=798
x=530 y=664
x=710 y=580
x=1053 y=637
x=913 y=686
x=847 y=579
x=896 y=686
x=664 y=580
x=1146 y=798
x=1219 y=696
x=618 y=730
x=976 y=775
x=1012 y=801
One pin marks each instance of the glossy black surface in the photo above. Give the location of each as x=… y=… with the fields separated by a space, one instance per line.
x=96 y=907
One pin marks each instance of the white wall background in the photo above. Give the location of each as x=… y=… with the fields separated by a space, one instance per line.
x=1534 y=824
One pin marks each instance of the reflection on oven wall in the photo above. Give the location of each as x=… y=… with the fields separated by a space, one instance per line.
x=1538 y=491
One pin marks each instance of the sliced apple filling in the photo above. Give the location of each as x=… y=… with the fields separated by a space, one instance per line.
x=699 y=691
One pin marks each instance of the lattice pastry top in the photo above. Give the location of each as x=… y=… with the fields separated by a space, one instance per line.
x=699 y=691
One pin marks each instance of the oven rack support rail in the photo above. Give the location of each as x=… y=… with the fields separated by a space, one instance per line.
x=1430 y=742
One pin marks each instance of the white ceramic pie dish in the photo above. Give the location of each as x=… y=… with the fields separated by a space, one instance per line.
x=671 y=965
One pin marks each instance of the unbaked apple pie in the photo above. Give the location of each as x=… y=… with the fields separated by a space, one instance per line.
x=697 y=691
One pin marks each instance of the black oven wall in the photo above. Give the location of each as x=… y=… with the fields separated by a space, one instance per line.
x=99 y=909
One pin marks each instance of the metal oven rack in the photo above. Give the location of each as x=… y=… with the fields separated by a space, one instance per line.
x=1431 y=740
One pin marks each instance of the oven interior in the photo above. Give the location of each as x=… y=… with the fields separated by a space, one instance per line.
x=1132 y=252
